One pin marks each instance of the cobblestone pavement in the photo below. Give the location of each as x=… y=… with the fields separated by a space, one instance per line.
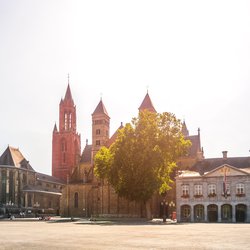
x=81 y=234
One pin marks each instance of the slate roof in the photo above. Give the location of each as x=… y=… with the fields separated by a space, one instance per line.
x=49 y=178
x=39 y=189
x=13 y=157
x=195 y=147
x=209 y=164
x=147 y=104
x=100 y=109
x=86 y=154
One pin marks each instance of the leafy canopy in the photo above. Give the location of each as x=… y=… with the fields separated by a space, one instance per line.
x=140 y=161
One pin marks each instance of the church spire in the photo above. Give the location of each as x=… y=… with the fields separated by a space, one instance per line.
x=68 y=95
x=100 y=109
x=55 y=128
x=147 y=104
x=184 y=129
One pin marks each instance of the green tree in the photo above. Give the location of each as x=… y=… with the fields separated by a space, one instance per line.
x=140 y=161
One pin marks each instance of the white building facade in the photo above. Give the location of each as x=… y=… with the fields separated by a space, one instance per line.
x=219 y=195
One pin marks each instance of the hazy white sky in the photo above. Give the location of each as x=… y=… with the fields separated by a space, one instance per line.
x=193 y=55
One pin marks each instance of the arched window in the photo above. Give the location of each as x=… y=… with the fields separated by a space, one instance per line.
x=198 y=212
x=70 y=120
x=64 y=157
x=76 y=200
x=185 y=213
x=226 y=212
x=65 y=121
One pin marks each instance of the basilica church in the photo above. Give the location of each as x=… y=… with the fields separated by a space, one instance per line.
x=84 y=194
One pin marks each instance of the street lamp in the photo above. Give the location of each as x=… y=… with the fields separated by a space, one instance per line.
x=10 y=208
x=164 y=204
x=171 y=206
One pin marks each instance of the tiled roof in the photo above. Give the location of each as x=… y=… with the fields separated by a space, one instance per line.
x=100 y=109
x=147 y=104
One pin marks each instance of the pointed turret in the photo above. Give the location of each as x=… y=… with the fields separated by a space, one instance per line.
x=184 y=129
x=55 y=129
x=68 y=95
x=100 y=109
x=147 y=104
x=100 y=128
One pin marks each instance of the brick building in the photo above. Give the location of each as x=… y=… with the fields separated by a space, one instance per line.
x=66 y=144
x=84 y=195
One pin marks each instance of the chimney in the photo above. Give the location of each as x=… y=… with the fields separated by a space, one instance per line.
x=224 y=153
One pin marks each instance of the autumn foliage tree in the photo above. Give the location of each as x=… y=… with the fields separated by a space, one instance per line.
x=140 y=161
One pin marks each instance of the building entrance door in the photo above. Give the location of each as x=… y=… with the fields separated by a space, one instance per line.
x=241 y=212
x=212 y=213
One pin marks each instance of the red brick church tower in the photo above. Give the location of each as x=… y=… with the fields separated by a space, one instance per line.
x=66 y=143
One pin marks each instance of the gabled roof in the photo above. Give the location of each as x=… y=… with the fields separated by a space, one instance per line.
x=147 y=104
x=13 y=157
x=100 y=109
x=230 y=170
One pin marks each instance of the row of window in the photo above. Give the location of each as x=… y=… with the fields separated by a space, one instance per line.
x=98 y=132
x=67 y=121
x=98 y=122
x=198 y=189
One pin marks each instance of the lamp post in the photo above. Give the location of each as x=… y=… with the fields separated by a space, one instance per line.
x=164 y=204
x=10 y=206
x=171 y=206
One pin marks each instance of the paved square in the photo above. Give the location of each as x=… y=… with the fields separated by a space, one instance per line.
x=131 y=235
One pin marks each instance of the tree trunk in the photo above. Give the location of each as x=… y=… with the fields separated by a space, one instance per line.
x=148 y=210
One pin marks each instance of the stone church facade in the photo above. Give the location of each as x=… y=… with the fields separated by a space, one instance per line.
x=24 y=190
x=84 y=194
